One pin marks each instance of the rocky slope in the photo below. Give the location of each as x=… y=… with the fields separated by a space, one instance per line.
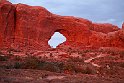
x=104 y=65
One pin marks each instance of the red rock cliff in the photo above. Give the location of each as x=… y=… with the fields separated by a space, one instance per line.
x=123 y=25
x=7 y=23
x=30 y=27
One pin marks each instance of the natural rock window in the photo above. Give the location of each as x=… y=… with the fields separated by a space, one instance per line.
x=56 y=39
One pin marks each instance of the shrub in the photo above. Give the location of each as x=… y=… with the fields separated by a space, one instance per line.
x=3 y=58
x=121 y=54
x=17 y=65
x=75 y=59
x=122 y=65
x=17 y=58
x=51 y=66
x=69 y=67
x=87 y=71
x=31 y=62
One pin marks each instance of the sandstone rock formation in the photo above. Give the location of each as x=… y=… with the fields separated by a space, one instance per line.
x=7 y=23
x=123 y=26
x=104 y=28
x=30 y=27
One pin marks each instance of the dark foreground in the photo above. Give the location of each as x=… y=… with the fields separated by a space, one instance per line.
x=67 y=66
x=39 y=76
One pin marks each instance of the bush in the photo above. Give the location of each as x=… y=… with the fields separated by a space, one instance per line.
x=52 y=66
x=122 y=65
x=69 y=67
x=4 y=58
x=121 y=54
x=17 y=58
x=17 y=65
x=87 y=71
x=31 y=62
x=75 y=65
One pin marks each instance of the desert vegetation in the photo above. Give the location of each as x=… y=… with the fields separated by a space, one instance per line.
x=100 y=62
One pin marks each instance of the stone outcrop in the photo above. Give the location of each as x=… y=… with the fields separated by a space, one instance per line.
x=123 y=26
x=7 y=23
x=31 y=27
x=104 y=28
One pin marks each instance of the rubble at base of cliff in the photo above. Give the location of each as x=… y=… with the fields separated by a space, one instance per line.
x=63 y=66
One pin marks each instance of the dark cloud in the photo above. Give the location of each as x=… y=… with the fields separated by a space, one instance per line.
x=96 y=10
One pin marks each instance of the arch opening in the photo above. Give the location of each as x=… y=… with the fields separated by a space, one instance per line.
x=56 y=39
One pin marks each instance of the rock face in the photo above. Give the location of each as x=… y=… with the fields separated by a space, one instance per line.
x=123 y=26
x=7 y=23
x=31 y=27
x=104 y=28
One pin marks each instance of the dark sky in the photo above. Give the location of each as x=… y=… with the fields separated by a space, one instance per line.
x=104 y=11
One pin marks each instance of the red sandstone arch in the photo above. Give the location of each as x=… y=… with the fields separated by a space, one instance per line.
x=30 y=27
x=63 y=32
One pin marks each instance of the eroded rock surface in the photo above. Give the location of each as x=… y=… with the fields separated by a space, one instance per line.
x=30 y=27
x=123 y=26
x=104 y=28
x=7 y=23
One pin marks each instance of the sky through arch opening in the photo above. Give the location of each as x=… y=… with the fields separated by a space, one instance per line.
x=56 y=39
